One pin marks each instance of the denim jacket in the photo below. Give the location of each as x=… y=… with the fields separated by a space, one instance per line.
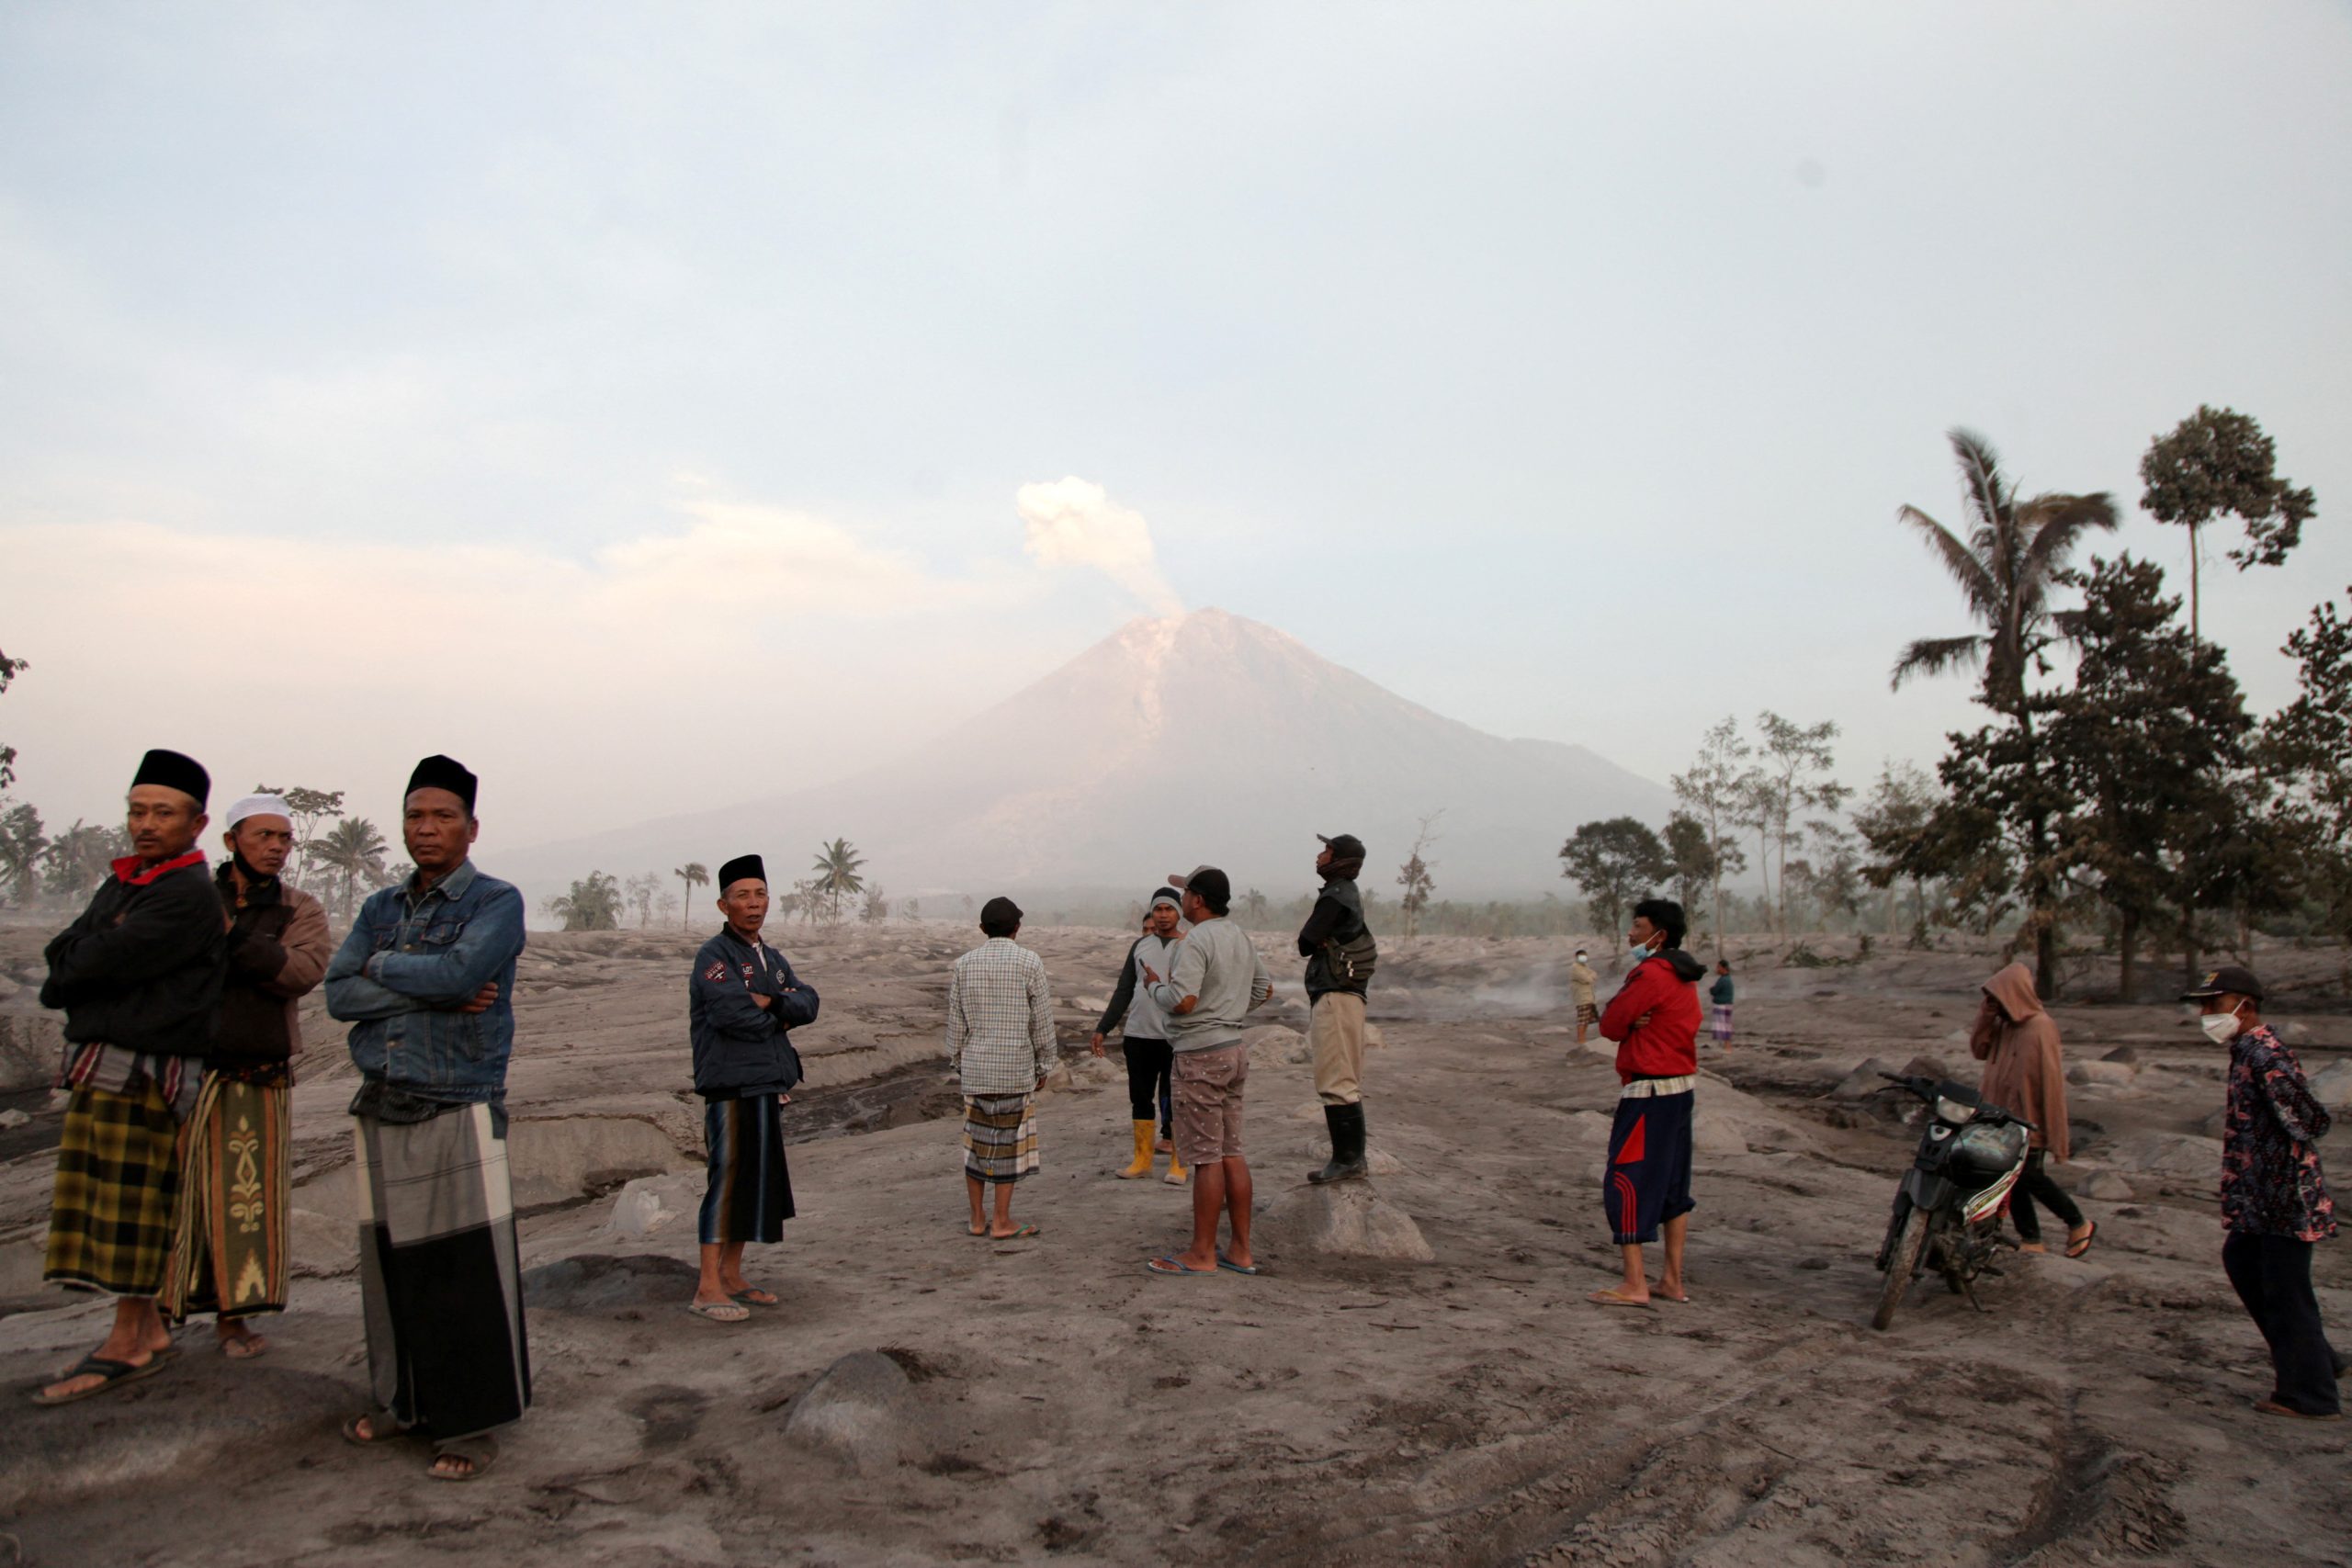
x=410 y=959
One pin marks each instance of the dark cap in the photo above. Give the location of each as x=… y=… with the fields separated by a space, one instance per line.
x=1168 y=896
x=739 y=868
x=1000 y=914
x=437 y=771
x=1343 y=846
x=2230 y=979
x=173 y=770
x=1212 y=887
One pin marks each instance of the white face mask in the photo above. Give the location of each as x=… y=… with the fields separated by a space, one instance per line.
x=2220 y=1028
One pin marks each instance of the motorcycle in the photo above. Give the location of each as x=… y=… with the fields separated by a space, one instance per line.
x=1947 y=1211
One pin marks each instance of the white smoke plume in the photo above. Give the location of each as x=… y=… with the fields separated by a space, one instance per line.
x=1074 y=521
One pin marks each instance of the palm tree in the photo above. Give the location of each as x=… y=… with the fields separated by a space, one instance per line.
x=836 y=868
x=694 y=874
x=2014 y=550
x=77 y=859
x=352 y=849
x=23 y=848
x=594 y=904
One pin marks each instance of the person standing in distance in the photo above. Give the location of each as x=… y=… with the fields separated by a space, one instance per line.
x=1646 y=1187
x=1340 y=954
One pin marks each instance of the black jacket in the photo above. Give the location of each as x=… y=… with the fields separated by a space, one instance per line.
x=141 y=968
x=1336 y=919
x=740 y=1047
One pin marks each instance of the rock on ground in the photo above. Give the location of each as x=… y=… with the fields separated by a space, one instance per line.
x=1347 y=1219
x=2101 y=1072
x=861 y=1412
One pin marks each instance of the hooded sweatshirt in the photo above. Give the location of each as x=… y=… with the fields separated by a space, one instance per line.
x=2019 y=1045
x=1664 y=986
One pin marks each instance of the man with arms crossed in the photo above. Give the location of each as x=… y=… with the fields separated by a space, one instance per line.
x=1217 y=980
x=139 y=979
x=426 y=979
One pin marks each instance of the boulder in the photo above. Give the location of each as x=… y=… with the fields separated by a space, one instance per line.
x=862 y=1411
x=651 y=1204
x=1863 y=1080
x=2334 y=1086
x=1713 y=1131
x=2123 y=1053
x=12 y=1119
x=1347 y=1219
x=2169 y=1155
x=1926 y=1068
x=2107 y=1186
x=2112 y=1074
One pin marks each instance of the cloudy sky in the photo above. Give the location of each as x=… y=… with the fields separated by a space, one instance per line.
x=637 y=401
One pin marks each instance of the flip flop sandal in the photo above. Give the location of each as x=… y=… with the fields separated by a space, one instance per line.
x=480 y=1454
x=753 y=1296
x=720 y=1312
x=2272 y=1407
x=2077 y=1248
x=377 y=1423
x=1170 y=1265
x=116 y=1374
x=1024 y=1234
x=1227 y=1263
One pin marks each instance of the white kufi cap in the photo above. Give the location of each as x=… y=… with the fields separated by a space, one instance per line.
x=259 y=805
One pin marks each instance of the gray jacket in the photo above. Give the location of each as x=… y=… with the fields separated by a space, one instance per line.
x=1217 y=963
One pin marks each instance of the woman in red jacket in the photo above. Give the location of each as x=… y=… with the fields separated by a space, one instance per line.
x=1653 y=1018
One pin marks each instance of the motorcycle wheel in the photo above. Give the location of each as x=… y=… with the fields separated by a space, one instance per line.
x=1901 y=1267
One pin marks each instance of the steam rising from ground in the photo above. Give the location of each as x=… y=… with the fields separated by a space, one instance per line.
x=1075 y=521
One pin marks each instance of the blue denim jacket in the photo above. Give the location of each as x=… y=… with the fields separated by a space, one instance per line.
x=411 y=958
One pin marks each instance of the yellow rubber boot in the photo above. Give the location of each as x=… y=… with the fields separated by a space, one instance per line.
x=1176 y=1173
x=1142 y=1166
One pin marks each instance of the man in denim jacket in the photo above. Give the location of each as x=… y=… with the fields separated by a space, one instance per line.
x=427 y=978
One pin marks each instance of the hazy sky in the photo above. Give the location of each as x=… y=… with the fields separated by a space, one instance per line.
x=636 y=402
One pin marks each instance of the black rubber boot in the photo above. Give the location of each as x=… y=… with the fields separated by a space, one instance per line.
x=1346 y=1164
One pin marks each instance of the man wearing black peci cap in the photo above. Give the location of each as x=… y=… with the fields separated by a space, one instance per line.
x=741 y=1005
x=1340 y=954
x=2274 y=1195
x=138 y=976
x=426 y=980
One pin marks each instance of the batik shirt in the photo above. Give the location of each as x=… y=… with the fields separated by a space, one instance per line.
x=2271 y=1182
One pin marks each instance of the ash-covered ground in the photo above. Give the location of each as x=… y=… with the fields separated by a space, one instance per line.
x=1059 y=1402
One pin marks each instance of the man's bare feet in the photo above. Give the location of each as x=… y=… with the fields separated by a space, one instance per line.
x=237 y=1342
x=2033 y=1246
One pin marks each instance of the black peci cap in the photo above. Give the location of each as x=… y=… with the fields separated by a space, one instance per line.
x=437 y=771
x=741 y=868
x=174 y=770
x=2230 y=979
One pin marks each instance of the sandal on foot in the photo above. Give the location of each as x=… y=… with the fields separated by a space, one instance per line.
x=2077 y=1248
x=1617 y=1298
x=1024 y=1234
x=2272 y=1407
x=244 y=1347
x=719 y=1312
x=381 y=1428
x=116 y=1374
x=751 y=1295
x=1225 y=1262
x=477 y=1454
x=1171 y=1264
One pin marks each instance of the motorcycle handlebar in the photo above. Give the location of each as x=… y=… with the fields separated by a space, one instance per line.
x=1927 y=1093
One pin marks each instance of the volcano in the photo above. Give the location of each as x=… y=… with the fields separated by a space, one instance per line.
x=1198 y=738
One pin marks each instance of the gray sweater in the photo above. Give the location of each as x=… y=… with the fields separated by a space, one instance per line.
x=1217 y=963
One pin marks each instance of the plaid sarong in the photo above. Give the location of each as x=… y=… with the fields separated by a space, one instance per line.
x=118 y=1168
x=440 y=1283
x=1000 y=1136
x=1722 y=1023
x=229 y=1232
x=749 y=1195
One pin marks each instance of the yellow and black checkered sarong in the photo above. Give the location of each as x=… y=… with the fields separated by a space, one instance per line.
x=118 y=1171
x=1000 y=1136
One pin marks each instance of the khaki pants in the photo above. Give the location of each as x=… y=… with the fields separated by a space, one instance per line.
x=1335 y=1033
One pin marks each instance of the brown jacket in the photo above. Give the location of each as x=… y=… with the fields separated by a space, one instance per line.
x=277 y=952
x=2019 y=1045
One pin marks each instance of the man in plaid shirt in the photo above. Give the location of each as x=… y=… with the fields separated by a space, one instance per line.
x=1000 y=1039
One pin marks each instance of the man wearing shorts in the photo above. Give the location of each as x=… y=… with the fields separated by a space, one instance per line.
x=1218 y=979
x=1646 y=1187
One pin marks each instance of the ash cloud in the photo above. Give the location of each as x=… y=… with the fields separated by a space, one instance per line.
x=1074 y=522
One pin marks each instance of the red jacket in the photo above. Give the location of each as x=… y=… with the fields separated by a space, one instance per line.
x=1665 y=986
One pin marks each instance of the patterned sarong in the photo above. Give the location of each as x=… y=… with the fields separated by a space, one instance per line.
x=1722 y=1023
x=229 y=1232
x=440 y=1283
x=1000 y=1136
x=118 y=1168
x=749 y=1195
